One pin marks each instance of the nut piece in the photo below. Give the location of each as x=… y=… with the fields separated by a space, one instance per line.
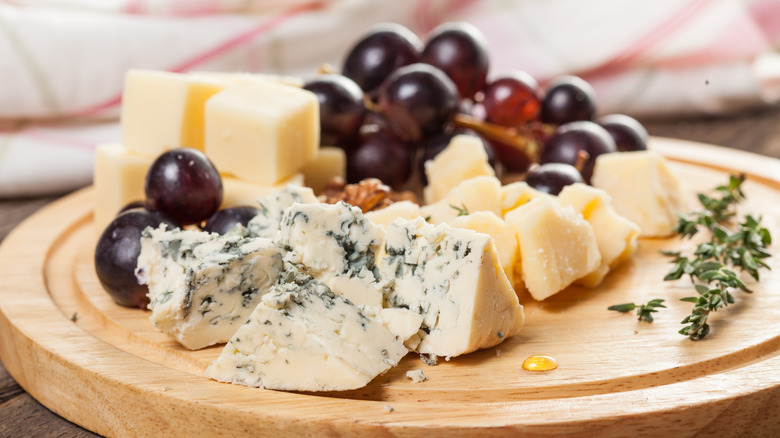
x=369 y=194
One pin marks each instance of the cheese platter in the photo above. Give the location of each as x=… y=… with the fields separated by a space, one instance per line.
x=107 y=368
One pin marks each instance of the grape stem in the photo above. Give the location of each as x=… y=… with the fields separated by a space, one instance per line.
x=506 y=135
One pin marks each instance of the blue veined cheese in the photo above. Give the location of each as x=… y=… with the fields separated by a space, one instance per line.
x=452 y=277
x=336 y=244
x=203 y=286
x=303 y=337
x=266 y=224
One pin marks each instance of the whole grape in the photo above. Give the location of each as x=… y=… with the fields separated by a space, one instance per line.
x=418 y=101
x=341 y=107
x=382 y=155
x=385 y=49
x=553 y=177
x=512 y=99
x=572 y=142
x=460 y=51
x=224 y=220
x=185 y=185
x=117 y=251
x=433 y=146
x=568 y=99
x=628 y=133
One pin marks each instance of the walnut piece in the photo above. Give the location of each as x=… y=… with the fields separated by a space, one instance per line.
x=369 y=194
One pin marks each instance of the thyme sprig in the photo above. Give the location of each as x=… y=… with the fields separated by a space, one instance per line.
x=644 y=312
x=709 y=266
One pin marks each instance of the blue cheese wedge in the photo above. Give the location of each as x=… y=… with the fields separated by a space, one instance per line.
x=203 y=286
x=272 y=207
x=451 y=277
x=303 y=337
x=336 y=244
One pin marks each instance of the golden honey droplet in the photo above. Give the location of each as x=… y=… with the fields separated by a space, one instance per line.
x=540 y=362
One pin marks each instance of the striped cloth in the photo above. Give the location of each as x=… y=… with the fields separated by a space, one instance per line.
x=63 y=61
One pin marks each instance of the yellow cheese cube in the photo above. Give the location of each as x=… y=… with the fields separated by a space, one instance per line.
x=406 y=210
x=163 y=111
x=331 y=161
x=556 y=245
x=616 y=236
x=262 y=132
x=643 y=190
x=462 y=159
x=119 y=176
x=481 y=193
x=516 y=194
x=504 y=236
x=237 y=192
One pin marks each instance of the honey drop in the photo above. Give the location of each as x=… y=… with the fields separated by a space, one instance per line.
x=540 y=362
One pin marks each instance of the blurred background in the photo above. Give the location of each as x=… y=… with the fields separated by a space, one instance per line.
x=695 y=69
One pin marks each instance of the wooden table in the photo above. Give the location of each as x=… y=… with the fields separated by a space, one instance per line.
x=756 y=131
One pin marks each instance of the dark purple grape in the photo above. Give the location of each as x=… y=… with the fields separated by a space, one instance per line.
x=460 y=51
x=341 y=107
x=568 y=99
x=433 y=146
x=224 y=220
x=418 y=101
x=569 y=141
x=628 y=133
x=117 y=251
x=512 y=99
x=385 y=49
x=185 y=185
x=553 y=177
x=512 y=158
x=382 y=155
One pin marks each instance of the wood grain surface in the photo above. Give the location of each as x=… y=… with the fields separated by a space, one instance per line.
x=106 y=367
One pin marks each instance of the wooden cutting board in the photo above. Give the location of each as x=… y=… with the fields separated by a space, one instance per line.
x=108 y=369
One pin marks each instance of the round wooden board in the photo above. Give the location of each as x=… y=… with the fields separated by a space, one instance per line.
x=108 y=369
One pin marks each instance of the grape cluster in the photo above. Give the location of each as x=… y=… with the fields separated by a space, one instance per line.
x=398 y=101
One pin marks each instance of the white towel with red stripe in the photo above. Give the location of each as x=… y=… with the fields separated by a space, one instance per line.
x=63 y=61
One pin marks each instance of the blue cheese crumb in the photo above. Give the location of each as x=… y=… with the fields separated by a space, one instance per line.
x=389 y=408
x=417 y=376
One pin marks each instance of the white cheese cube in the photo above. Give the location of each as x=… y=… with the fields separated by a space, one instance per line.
x=481 y=193
x=303 y=337
x=504 y=236
x=453 y=279
x=643 y=190
x=262 y=132
x=616 y=236
x=462 y=159
x=397 y=210
x=238 y=192
x=118 y=180
x=337 y=245
x=556 y=245
x=273 y=206
x=163 y=111
x=203 y=286
x=330 y=161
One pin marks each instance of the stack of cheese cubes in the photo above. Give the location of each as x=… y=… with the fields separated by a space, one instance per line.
x=546 y=243
x=261 y=132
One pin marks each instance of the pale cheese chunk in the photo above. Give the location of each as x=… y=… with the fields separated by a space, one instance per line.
x=556 y=245
x=516 y=194
x=462 y=159
x=163 y=111
x=273 y=206
x=262 y=132
x=481 y=193
x=504 y=236
x=336 y=244
x=643 y=190
x=203 y=286
x=616 y=236
x=330 y=162
x=397 y=210
x=403 y=323
x=303 y=337
x=237 y=192
x=452 y=277
x=118 y=180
